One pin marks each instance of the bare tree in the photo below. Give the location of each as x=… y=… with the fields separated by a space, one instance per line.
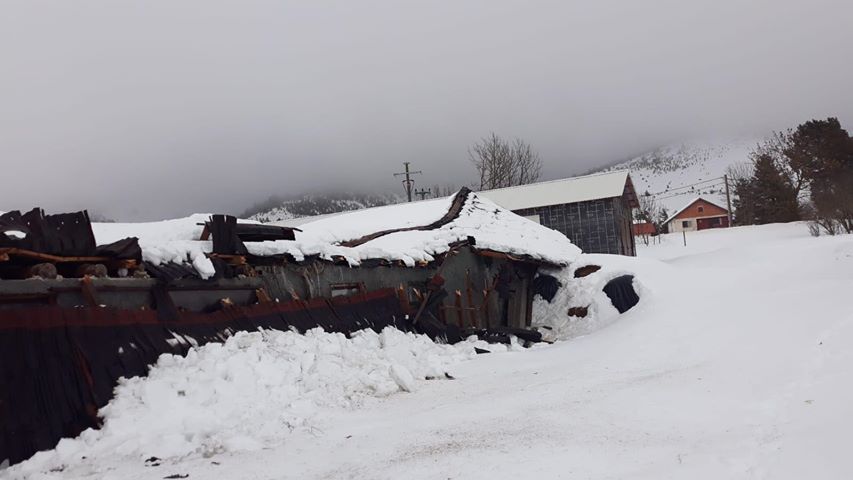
x=503 y=164
x=444 y=190
x=649 y=212
x=739 y=172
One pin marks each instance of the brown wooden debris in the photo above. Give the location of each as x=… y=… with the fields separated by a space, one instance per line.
x=263 y=296
x=88 y=291
x=586 y=270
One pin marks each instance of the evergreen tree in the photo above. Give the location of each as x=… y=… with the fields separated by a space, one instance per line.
x=773 y=197
x=823 y=152
x=743 y=201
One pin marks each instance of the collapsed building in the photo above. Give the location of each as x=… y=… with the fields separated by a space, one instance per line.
x=84 y=304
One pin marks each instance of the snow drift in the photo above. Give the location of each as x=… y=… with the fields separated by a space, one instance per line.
x=251 y=392
x=552 y=317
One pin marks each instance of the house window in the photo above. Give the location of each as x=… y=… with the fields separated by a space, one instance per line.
x=685 y=224
x=346 y=289
x=701 y=209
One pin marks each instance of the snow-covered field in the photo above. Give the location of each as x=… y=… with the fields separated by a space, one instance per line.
x=735 y=364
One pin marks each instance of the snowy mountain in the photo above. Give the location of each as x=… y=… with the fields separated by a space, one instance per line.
x=677 y=174
x=276 y=209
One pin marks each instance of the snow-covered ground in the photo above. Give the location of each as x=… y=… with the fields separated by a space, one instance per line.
x=735 y=364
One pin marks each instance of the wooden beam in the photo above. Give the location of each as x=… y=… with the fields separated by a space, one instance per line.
x=263 y=296
x=230 y=259
x=88 y=290
x=460 y=316
x=469 y=291
x=46 y=257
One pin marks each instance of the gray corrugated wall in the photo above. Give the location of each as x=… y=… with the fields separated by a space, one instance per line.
x=596 y=226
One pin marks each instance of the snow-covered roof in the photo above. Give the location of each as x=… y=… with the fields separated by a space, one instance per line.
x=492 y=227
x=558 y=192
x=691 y=202
x=409 y=233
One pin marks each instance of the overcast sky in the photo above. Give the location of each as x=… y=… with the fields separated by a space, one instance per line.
x=157 y=108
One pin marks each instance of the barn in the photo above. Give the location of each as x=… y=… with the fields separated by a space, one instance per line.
x=698 y=214
x=594 y=211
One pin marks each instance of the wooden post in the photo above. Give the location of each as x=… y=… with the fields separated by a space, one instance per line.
x=684 y=234
x=485 y=309
x=460 y=316
x=88 y=291
x=469 y=291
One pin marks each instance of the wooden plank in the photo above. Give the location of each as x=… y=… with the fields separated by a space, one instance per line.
x=485 y=307
x=263 y=296
x=460 y=317
x=469 y=291
x=123 y=263
x=230 y=259
x=404 y=300
x=46 y=257
x=88 y=290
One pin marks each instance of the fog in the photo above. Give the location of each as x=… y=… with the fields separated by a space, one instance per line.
x=155 y=109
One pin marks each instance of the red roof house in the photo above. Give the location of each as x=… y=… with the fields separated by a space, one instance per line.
x=699 y=214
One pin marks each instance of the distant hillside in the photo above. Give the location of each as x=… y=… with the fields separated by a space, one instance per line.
x=283 y=208
x=665 y=171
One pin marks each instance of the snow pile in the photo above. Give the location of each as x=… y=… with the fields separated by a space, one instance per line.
x=251 y=392
x=552 y=318
x=345 y=226
x=175 y=241
x=491 y=226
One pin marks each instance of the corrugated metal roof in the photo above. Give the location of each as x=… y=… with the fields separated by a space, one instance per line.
x=558 y=192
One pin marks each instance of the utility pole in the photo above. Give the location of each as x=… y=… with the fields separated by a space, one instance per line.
x=408 y=183
x=423 y=193
x=728 y=199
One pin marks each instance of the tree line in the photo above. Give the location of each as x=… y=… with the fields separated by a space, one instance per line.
x=804 y=173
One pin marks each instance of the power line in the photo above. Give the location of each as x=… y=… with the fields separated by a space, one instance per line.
x=690 y=192
x=687 y=192
x=669 y=190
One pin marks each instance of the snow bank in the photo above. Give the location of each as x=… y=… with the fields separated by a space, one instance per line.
x=552 y=319
x=358 y=223
x=251 y=392
x=175 y=241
